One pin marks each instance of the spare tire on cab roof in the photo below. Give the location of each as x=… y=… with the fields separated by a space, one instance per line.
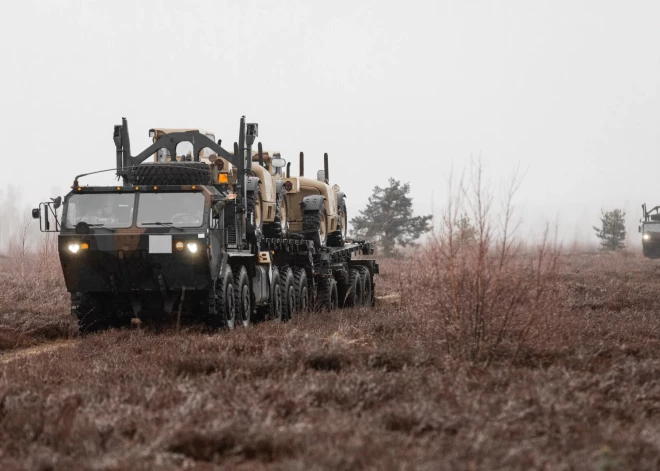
x=172 y=173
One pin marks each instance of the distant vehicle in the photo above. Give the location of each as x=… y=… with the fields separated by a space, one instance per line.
x=650 y=230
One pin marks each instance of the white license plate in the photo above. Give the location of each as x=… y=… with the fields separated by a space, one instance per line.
x=160 y=244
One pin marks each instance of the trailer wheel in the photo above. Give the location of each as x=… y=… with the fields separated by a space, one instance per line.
x=222 y=303
x=288 y=293
x=315 y=225
x=171 y=173
x=352 y=290
x=274 y=308
x=327 y=294
x=90 y=312
x=280 y=226
x=301 y=290
x=368 y=287
x=243 y=297
x=338 y=237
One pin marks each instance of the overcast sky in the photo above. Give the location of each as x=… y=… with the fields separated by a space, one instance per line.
x=570 y=90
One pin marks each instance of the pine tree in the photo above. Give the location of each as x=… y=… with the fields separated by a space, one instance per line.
x=389 y=218
x=612 y=233
x=466 y=233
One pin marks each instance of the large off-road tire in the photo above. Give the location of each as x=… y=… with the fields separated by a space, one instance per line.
x=326 y=294
x=288 y=293
x=280 y=225
x=91 y=312
x=338 y=237
x=301 y=289
x=244 y=296
x=315 y=226
x=273 y=310
x=368 y=297
x=171 y=173
x=351 y=290
x=652 y=252
x=222 y=303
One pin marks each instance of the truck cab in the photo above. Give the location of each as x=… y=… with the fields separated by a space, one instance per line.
x=650 y=230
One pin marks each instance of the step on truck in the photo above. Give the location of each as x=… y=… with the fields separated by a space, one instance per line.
x=181 y=238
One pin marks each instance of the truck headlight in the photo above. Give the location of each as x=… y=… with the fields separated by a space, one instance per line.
x=192 y=247
x=646 y=236
x=74 y=248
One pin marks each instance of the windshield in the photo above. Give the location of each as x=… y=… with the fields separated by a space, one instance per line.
x=101 y=209
x=175 y=209
x=652 y=227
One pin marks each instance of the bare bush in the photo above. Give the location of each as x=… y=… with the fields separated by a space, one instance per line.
x=19 y=248
x=488 y=286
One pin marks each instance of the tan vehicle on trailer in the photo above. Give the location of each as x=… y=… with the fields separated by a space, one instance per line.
x=317 y=209
x=278 y=204
x=266 y=198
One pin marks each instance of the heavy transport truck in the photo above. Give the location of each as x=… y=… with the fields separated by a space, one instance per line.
x=650 y=230
x=188 y=234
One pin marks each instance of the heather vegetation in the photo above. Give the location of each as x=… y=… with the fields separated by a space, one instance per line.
x=574 y=389
x=483 y=352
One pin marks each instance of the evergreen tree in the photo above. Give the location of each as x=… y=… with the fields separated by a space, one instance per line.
x=612 y=233
x=465 y=231
x=389 y=218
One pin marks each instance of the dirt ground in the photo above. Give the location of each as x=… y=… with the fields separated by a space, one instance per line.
x=352 y=389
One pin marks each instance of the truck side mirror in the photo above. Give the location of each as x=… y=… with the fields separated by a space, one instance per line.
x=320 y=176
x=36 y=214
x=57 y=202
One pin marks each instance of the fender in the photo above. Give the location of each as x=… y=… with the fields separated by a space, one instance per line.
x=252 y=183
x=340 y=198
x=312 y=203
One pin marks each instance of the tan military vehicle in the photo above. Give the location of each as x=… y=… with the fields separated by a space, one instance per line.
x=316 y=209
x=277 y=204
x=266 y=198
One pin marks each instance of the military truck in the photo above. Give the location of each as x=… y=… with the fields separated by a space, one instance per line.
x=650 y=230
x=182 y=238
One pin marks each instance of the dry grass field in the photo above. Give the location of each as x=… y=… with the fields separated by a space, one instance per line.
x=571 y=384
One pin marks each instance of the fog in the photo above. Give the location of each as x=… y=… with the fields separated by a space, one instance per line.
x=567 y=90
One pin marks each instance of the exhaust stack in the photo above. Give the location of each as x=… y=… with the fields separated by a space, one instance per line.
x=261 y=155
x=325 y=168
x=288 y=169
x=302 y=164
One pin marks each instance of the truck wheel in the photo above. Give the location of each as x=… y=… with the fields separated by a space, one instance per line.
x=327 y=294
x=90 y=312
x=288 y=293
x=351 y=291
x=301 y=290
x=338 y=237
x=315 y=224
x=171 y=173
x=280 y=226
x=368 y=287
x=243 y=297
x=274 y=310
x=222 y=303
